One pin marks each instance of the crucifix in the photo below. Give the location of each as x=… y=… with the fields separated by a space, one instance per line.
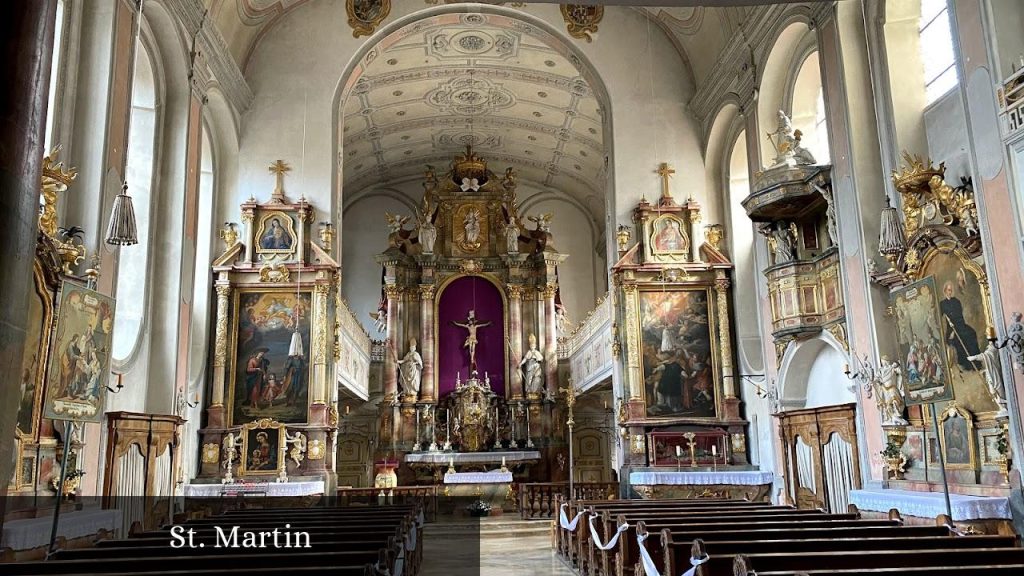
x=665 y=172
x=471 y=325
x=279 y=168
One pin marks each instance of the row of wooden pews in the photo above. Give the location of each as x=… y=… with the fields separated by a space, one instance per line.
x=343 y=541
x=737 y=538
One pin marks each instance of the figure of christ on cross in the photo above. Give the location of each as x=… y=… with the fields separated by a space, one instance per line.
x=471 y=326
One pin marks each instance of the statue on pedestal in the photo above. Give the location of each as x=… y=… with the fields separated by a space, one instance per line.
x=471 y=325
x=786 y=141
x=428 y=235
x=532 y=368
x=992 y=369
x=889 y=392
x=411 y=368
x=512 y=236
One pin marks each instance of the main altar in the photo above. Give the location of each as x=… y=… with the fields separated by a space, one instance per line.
x=469 y=302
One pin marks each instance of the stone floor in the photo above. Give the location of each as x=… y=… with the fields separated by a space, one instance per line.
x=499 y=547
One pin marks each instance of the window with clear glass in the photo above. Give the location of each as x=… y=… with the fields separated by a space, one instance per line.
x=55 y=66
x=133 y=261
x=808 y=114
x=936 y=41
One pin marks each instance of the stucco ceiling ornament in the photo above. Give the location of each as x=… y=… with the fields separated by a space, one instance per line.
x=581 y=20
x=470 y=97
x=365 y=15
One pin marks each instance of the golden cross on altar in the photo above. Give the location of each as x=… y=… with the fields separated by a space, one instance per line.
x=665 y=172
x=279 y=168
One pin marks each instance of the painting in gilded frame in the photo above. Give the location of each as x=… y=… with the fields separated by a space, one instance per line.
x=922 y=355
x=80 y=356
x=270 y=368
x=679 y=367
x=263 y=444
x=33 y=363
x=275 y=235
x=956 y=426
x=668 y=236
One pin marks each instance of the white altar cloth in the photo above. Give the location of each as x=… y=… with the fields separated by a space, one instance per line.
x=702 y=478
x=263 y=488
x=35 y=532
x=478 y=478
x=931 y=504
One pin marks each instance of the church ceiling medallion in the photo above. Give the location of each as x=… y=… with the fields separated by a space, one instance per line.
x=581 y=20
x=364 y=16
x=469 y=96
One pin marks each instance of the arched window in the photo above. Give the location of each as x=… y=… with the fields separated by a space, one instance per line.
x=134 y=260
x=936 y=42
x=55 y=71
x=809 y=108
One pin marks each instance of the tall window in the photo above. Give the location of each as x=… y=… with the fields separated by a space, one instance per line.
x=55 y=65
x=133 y=260
x=937 y=49
x=809 y=109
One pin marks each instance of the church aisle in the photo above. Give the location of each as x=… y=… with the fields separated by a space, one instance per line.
x=506 y=548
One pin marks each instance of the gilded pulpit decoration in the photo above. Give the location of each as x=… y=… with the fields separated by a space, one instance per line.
x=364 y=16
x=581 y=20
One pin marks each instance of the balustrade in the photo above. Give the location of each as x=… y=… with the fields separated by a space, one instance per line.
x=539 y=500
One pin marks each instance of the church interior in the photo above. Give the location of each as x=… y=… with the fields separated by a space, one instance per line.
x=509 y=287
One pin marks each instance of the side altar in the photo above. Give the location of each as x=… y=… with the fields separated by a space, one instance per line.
x=469 y=303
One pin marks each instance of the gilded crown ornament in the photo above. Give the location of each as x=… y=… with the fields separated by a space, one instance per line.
x=56 y=179
x=469 y=171
x=928 y=199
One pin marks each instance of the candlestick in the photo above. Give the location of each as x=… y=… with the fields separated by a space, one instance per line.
x=693 y=447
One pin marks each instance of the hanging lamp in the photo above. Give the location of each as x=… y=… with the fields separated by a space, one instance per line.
x=891 y=243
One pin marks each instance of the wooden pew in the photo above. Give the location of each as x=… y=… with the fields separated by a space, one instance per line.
x=925 y=561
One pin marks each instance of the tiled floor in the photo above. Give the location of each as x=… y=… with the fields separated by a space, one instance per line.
x=499 y=555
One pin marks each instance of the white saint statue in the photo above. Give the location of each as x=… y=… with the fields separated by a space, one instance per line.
x=512 y=236
x=471 y=325
x=411 y=369
x=992 y=369
x=786 y=141
x=428 y=235
x=532 y=368
x=889 y=392
x=562 y=323
x=472 y=226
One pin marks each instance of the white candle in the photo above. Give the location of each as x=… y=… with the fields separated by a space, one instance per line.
x=714 y=450
x=502 y=461
x=679 y=451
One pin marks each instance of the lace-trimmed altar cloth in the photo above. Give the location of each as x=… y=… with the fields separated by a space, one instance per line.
x=35 y=532
x=264 y=488
x=478 y=478
x=931 y=504
x=702 y=478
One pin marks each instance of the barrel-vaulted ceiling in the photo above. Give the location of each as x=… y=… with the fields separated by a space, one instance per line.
x=488 y=81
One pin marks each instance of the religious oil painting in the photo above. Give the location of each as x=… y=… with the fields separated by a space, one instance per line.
x=956 y=427
x=919 y=334
x=80 y=355
x=262 y=442
x=33 y=362
x=679 y=367
x=667 y=236
x=271 y=363
x=962 y=321
x=276 y=234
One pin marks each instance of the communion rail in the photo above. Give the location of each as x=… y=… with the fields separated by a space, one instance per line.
x=392 y=496
x=538 y=500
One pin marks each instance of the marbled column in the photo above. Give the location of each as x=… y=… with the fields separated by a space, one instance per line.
x=515 y=337
x=550 y=340
x=390 y=362
x=427 y=388
x=27 y=31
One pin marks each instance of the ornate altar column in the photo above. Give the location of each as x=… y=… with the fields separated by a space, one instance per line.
x=393 y=293
x=215 y=411
x=550 y=340
x=318 y=386
x=427 y=389
x=515 y=328
x=732 y=403
x=696 y=232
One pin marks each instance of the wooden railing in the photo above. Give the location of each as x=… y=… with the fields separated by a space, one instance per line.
x=537 y=500
x=396 y=495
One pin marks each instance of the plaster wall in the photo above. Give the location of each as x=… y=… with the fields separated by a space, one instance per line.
x=946 y=130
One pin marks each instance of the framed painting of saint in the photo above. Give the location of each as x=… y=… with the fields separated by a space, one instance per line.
x=270 y=367
x=33 y=362
x=668 y=236
x=80 y=355
x=956 y=426
x=275 y=234
x=919 y=335
x=679 y=366
x=262 y=448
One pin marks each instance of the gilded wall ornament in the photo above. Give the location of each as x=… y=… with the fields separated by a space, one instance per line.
x=365 y=15
x=211 y=453
x=581 y=20
x=713 y=235
x=276 y=273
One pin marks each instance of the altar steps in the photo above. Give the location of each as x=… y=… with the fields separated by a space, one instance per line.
x=506 y=526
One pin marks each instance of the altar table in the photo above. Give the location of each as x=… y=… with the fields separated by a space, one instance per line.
x=35 y=532
x=753 y=485
x=272 y=489
x=931 y=504
x=511 y=457
x=478 y=478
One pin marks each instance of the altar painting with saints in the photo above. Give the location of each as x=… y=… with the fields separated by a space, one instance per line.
x=678 y=365
x=271 y=366
x=922 y=355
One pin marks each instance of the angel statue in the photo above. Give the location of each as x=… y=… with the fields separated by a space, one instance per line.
x=864 y=374
x=543 y=221
x=396 y=225
x=889 y=392
x=297 y=443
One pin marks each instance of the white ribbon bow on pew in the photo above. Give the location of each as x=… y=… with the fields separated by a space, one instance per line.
x=651 y=570
x=597 y=539
x=563 y=520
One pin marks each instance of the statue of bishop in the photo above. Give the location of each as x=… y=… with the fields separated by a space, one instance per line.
x=411 y=369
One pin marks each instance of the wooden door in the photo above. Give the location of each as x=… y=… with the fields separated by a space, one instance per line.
x=820 y=447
